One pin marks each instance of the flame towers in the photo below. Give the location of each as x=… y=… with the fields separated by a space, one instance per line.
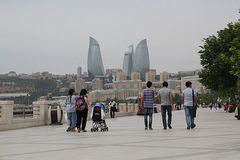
x=128 y=60
x=141 y=61
x=95 y=64
x=138 y=62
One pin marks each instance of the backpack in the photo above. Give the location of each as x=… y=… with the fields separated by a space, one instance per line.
x=81 y=104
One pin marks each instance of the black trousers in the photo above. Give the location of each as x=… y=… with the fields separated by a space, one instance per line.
x=82 y=118
x=112 y=112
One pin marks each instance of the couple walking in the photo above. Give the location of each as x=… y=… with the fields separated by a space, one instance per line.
x=165 y=98
x=77 y=110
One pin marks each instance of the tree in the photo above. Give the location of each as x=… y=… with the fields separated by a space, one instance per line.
x=220 y=59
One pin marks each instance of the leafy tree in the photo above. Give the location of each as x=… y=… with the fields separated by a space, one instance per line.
x=220 y=58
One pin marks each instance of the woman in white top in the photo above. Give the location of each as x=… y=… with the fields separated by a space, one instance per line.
x=71 y=111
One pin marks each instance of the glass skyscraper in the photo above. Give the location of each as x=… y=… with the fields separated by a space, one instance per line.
x=128 y=61
x=95 y=64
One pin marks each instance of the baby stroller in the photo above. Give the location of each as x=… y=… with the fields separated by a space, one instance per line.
x=98 y=118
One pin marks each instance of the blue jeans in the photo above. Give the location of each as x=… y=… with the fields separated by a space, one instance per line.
x=148 y=112
x=71 y=119
x=164 y=109
x=189 y=116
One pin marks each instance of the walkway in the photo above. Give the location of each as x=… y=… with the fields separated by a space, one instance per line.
x=217 y=136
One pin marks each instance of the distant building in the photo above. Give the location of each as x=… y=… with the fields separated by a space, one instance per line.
x=172 y=84
x=79 y=72
x=135 y=76
x=128 y=84
x=12 y=74
x=79 y=85
x=121 y=76
x=95 y=64
x=120 y=94
x=197 y=86
x=97 y=84
x=164 y=76
x=150 y=76
x=128 y=61
x=141 y=62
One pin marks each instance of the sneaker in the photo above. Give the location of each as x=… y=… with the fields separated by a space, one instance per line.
x=169 y=126
x=68 y=129
x=188 y=128
x=165 y=128
x=193 y=126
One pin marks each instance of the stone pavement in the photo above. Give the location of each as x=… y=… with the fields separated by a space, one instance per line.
x=217 y=136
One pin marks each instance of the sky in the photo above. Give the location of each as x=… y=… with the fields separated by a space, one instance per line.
x=53 y=35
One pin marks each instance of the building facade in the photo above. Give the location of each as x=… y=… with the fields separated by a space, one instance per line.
x=128 y=61
x=95 y=64
x=141 y=62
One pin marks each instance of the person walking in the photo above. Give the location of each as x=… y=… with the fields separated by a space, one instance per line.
x=147 y=105
x=70 y=109
x=165 y=98
x=189 y=99
x=113 y=108
x=82 y=105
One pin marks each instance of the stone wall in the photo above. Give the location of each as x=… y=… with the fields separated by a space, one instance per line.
x=42 y=114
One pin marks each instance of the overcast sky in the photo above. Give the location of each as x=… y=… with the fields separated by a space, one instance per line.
x=53 y=35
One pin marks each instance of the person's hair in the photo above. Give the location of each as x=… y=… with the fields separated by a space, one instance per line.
x=83 y=92
x=165 y=84
x=149 y=84
x=70 y=92
x=188 y=84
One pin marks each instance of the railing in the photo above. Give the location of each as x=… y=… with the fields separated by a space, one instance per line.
x=22 y=111
x=0 y=112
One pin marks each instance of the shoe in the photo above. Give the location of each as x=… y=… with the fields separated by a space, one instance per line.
x=79 y=130
x=73 y=130
x=188 y=128
x=193 y=126
x=169 y=126
x=84 y=130
x=68 y=129
x=165 y=128
x=146 y=128
x=150 y=128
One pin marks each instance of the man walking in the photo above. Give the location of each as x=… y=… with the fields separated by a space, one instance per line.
x=165 y=98
x=189 y=99
x=147 y=105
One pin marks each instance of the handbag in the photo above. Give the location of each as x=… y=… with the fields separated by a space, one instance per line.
x=194 y=108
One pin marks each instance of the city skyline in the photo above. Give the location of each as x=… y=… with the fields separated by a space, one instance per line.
x=52 y=36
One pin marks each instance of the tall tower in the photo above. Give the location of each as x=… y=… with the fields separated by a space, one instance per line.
x=128 y=61
x=79 y=72
x=141 y=62
x=95 y=64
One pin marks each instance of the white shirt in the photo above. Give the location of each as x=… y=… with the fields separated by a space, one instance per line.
x=188 y=97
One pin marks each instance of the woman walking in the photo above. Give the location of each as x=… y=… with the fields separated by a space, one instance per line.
x=82 y=105
x=70 y=109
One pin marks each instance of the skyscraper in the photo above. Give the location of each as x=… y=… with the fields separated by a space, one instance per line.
x=79 y=72
x=141 y=61
x=95 y=64
x=128 y=61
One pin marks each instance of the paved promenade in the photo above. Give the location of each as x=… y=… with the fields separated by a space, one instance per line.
x=217 y=136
